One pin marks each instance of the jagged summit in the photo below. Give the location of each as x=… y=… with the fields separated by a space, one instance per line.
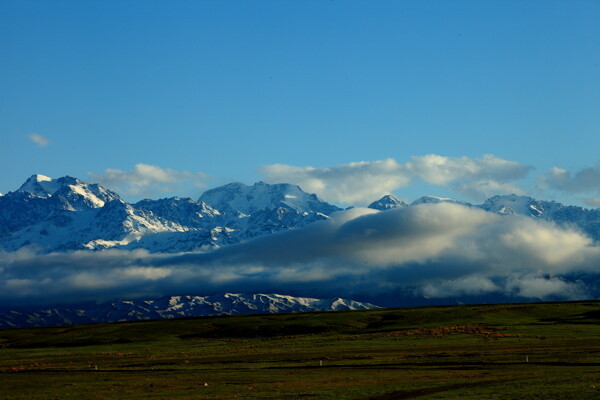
x=39 y=185
x=387 y=202
x=249 y=199
x=76 y=194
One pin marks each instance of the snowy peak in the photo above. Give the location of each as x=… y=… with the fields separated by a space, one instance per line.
x=40 y=185
x=237 y=197
x=387 y=202
x=518 y=205
x=77 y=194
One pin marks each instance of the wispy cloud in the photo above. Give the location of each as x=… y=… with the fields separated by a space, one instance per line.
x=38 y=139
x=362 y=182
x=435 y=250
x=147 y=180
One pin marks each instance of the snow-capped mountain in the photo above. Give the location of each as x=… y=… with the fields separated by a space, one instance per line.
x=175 y=307
x=387 y=202
x=75 y=194
x=237 y=197
x=67 y=214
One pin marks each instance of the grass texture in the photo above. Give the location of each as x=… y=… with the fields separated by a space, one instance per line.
x=508 y=351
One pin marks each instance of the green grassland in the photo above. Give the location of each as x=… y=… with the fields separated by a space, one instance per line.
x=515 y=351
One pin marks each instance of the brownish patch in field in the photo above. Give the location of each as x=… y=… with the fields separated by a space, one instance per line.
x=476 y=330
x=414 y=393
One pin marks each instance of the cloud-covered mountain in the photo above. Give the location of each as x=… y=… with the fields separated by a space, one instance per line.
x=278 y=239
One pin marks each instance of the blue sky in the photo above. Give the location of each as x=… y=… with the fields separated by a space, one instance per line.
x=154 y=98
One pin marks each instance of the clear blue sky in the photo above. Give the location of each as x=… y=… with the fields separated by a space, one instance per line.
x=226 y=88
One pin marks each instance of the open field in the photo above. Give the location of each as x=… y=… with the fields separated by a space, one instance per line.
x=528 y=351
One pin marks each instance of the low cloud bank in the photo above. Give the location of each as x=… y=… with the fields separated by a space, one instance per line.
x=435 y=251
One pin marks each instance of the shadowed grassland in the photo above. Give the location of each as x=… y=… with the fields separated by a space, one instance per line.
x=520 y=351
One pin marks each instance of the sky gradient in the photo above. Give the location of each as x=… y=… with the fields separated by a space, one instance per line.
x=154 y=98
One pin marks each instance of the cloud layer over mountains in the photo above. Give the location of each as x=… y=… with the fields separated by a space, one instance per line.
x=360 y=182
x=437 y=251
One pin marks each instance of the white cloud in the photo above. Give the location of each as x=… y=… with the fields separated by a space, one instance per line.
x=546 y=287
x=355 y=183
x=586 y=180
x=440 y=170
x=38 y=139
x=595 y=202
x=477 y=178
x=484 y=188
x=360 y=183
x=438 y=250
x=147 y=180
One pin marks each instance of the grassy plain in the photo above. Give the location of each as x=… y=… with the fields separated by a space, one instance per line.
x=519 y=351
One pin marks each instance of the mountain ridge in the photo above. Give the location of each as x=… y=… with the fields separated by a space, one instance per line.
x=169 y=307
x=68 y=214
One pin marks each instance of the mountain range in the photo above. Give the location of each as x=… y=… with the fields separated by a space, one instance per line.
x=174 y=307
x=48 y=215
x=53 y=215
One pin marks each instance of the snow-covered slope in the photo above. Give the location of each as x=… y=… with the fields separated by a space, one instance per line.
x=249 y=199
x=76 y=194
x=175 y=307
x=183 y=211
x=520 y=205
x=387 y=202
